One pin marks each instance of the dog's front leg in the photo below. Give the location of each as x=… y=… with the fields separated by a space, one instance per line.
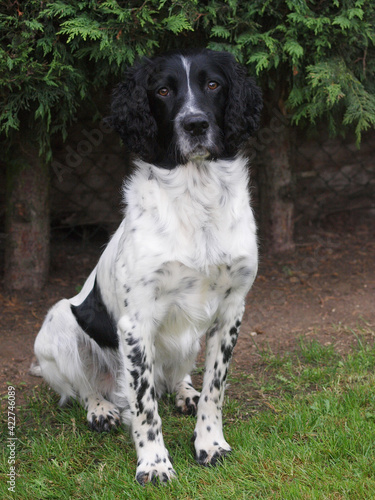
x=137 y=385
x=210 y=444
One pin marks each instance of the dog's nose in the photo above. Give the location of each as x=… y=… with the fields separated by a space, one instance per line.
x=196 y=124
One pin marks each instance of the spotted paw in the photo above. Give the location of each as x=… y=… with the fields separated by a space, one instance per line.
x=213 y=455
x=155 y=473
x=104 y=417
x=188 y=406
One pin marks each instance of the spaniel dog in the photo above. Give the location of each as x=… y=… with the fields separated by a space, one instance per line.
x=179 y=266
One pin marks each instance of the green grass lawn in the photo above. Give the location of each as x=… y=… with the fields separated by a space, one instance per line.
x=314 y=438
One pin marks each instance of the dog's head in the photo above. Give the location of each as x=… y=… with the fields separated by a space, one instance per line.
x=186 y=106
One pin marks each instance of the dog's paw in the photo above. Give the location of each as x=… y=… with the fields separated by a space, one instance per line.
x=104 y=417
x=212 y=455
x=35 y=369
x=160 y=471
x=188 y=406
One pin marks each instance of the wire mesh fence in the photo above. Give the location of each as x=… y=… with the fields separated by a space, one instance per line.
x=87 y=179
x=330 y=175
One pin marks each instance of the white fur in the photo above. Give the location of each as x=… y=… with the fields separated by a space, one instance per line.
x=179 y=266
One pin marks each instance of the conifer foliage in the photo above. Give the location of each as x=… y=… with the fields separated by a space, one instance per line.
x=319 y=53
x=55 y=55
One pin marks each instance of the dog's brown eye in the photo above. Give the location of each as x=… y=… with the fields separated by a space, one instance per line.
x=212 y=85
x=163 y=91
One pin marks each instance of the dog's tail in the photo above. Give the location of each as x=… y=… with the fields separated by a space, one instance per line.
x=35 y=369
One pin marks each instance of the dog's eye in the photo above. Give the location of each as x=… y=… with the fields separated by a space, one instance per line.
x=212 y=85
x=163 y=91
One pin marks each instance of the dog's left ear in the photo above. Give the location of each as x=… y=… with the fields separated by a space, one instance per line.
x=243 y=110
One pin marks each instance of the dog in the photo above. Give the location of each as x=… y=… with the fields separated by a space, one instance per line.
x=178 y=267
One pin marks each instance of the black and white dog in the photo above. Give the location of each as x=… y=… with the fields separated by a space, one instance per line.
x=178 y=267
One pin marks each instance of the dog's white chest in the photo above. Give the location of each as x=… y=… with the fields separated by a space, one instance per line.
x=187 y=301
x=183 y=294
x=198 y=215
x=187 y=243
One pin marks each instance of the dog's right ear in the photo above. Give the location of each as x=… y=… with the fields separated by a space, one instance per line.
x=131 y=116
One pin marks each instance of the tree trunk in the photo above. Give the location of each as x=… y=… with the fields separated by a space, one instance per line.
x=276 y=185
x=27 y=221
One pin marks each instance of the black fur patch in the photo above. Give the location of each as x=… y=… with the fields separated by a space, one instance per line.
x=94 y=319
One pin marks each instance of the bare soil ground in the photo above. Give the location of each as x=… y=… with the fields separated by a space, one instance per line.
x=323 y=290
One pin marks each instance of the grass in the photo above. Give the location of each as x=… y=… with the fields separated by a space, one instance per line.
x=313 y=439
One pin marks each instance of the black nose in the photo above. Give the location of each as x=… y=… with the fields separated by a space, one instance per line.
x=195 y=124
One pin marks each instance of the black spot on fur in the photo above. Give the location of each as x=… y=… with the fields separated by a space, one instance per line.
x=142 y=477
x=151 y=435
x=227 y=352
x=136 y=356
x=233 y=330
x=95 y=320
x=130 y=340
x=212 y=332
x=141 y=392
x=149 y=416
x=217 y=383
x=135 y=375
x=202 y=456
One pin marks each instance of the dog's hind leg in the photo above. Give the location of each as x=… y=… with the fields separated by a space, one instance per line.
x=75 y=368
x=56 y=349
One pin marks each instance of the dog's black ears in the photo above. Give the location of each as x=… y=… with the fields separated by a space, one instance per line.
x=131 y=116
x=243 y=109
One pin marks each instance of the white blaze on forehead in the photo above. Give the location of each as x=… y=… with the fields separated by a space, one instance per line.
x=190 y=101
x=189 y=147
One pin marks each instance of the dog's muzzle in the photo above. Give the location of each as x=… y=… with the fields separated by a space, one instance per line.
x=195 y=139
x=195 y=124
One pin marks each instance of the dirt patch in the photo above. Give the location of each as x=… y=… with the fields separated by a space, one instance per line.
x=323 y=290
